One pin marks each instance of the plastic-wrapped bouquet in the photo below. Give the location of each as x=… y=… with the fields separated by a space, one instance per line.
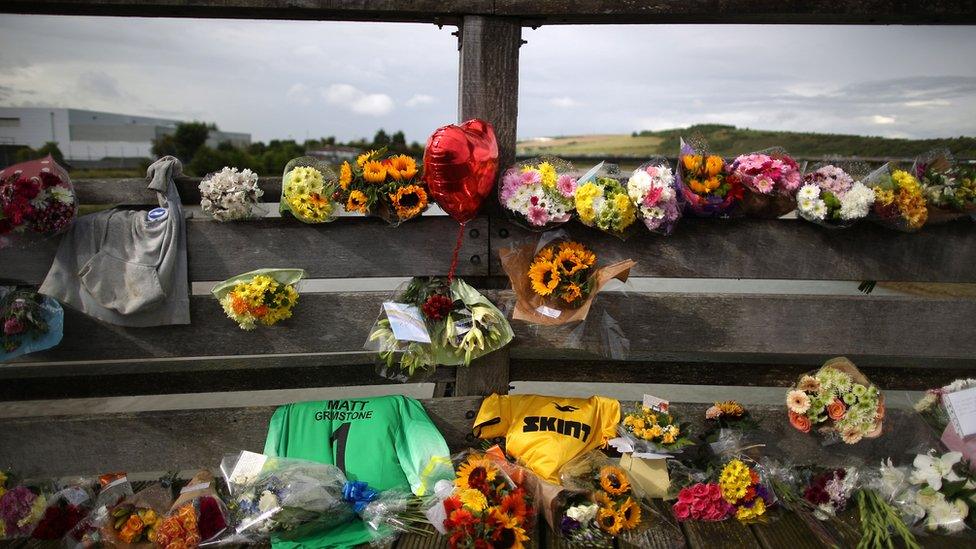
x=932 y=407
x=950 y=192
x=832 y=198
x=652 y=189
x=434 y=322
x=654 y=431
x=308 y=188
x=231 y=195
x=740 y=492
x=840 y=397
x=136 y=518
x=36 y=200
x=704 y=183
x=30 y=322
x=603 y=202
x=831 y=491
x=265 y=296
x=21 y=508
x=65 y=509
x=539 y=193
x=898 y=199
x=388 y=186
x=198 y=515
x=90 y=531
x=771 y=179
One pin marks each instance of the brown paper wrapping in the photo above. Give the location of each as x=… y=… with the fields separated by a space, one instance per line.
x=202 y=477
x=843 y=364
x=516 y=264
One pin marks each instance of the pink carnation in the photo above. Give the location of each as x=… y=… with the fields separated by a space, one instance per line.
x=566 y=186
x=530 y=177
x=652 y=196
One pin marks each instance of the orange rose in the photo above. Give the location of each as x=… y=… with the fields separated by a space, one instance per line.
x=881 y=411
x=836 y=409
x=171 y=528
x=800 y=422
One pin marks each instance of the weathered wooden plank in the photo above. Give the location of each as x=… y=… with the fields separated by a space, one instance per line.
x=166 y=441
x=346 y=248
x=726 y=534
x=782 y=529
x=536 y=12
x=778 y=249
x=431 y=540
x=132 y=191
x=664 y=531
x=486 y=375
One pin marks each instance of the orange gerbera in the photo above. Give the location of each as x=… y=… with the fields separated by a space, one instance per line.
x=374 y=171
x=409 y=201
x=358 y=202
x=402 y=167
x=514 y=505
x=614 y=480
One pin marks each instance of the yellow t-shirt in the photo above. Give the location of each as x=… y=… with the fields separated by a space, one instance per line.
x=544 y=433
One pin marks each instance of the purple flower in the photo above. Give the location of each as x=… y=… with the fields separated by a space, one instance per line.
x=510 y=184
x=15 y=506
x=568 y=525
x=13 y=326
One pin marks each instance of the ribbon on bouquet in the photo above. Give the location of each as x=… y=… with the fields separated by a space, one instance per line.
x=359 y=494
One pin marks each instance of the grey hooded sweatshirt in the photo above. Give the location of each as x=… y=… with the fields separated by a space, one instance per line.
x=127 y=267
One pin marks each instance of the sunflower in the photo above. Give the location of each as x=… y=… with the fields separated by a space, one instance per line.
x=409 y=201
x=402 y=167
x=572 y=293
x=507 y=531
x=474 y=473
x=614 y=480
x=609 y=521
x=730 y=408
x=365 y=157
x=603 y=500
x=630 y=514
x=345 y=175
x=547 y=254
x=374 y=171
x=582 y=252
x=544 y=276
x=569 y=262
x=358 y=202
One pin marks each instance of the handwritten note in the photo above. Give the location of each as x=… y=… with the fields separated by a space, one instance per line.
x=961 y=407
x=406 y=322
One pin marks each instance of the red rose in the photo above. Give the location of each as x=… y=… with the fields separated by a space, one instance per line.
x=685 y=496
x=714 y=492
x=681 y=510
x=699 y=490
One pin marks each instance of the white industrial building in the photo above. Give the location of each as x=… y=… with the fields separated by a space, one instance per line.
x=93 y=135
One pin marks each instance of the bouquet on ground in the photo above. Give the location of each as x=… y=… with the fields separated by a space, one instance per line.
x=950 y=192
x=839 y=397
x=388 y=186
x=898 y=199
x=88 y=532
x=484 y=507
x=434 y=322
x=265 y=296
x=308 y=189
x=935 y=493
x=602 y=202
x=21 y=508
x=739 y=491
x=198 y=515
x=935 y=407
x=816 y=497
x=654 y=431
x=135 y=520
x=231 y=195
x=65 y=510
x=30 y=322
x=539 y=193
x=36 y=200
x=556 y=279
x=727 y=416
x=293 y=498
x=831 y=197
x=704 y=183
x=652 y=189
x=770 y=178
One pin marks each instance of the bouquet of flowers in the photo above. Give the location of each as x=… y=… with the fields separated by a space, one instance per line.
x=740 y=492
x=831 y=491
x=704 y=183
x=932 y=408
x=948 y=191
x=830 y=197
x=198 y=515
x=432 y=321
x=36 y=200
x=65 y=509
x=31 y=322
x=603 y=203
x=935 y=492
x=653 y=431
x=556 y=279
x=539 y=193
x=265 y=295
x=88 y=532
x=898 y=199
x=308 y=190
x=136 y=519
x=21 y=508
x=388 y=186
x=839 y=396
x=816 y=497
x=231 y=195
x=485 y=508
x=771 y=179
x=652 y=189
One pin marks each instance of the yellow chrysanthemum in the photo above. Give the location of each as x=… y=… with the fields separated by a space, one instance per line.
x=749 y=513
x=474 y=471
x=304 y=180
x=585 y=195
x=473 y=499
x=713 y=165
x=345 y=176
x=374 y=171
x=626 y=210
x=549 y=175
x=906 y=181
x=544 y=277
x=735 y=480
x=630 y=514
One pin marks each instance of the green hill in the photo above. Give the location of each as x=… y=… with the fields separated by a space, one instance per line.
x=729 y=141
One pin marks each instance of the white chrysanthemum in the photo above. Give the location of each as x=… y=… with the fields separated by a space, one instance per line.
x=819 y=209
x=654 y=212
x=808 y=192
x=228 y=194
x=857 y=202
x=62 y=194
x=39 y=202
x=638 y=185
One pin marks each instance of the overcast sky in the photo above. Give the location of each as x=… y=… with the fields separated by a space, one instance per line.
x=279 y=79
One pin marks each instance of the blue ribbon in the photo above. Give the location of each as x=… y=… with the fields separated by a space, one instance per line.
x=359 y=494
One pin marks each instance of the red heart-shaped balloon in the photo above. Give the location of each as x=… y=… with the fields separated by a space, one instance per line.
x=460 y=164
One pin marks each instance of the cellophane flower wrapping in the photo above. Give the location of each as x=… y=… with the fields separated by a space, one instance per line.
x=264 y=296
x=816 y=496
x=833 y=196
x=30 y=322
x=488 y=504
x=839 y=400
x=22 y=506
x=89 y=532
x=950 y=190
x=232 y=195
x=289 y=499
x=556 y=279
x=37 y=201
x=703 y=181
x=385 y=185
x=899 y=202
x=430 y=322
x=133 y=522
x=308 y=190
x=538 y=194
x=66 y=508
x=771 y=179
x=932 y=408
x=197 y=516
x=652 y=431
x=653 y=189
x=602 y=202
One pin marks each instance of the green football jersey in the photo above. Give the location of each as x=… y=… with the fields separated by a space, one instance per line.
x=388 y=442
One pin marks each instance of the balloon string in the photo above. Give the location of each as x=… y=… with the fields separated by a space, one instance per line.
x=454 y=258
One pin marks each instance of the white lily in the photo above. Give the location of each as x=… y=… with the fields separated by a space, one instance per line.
x=931 y=469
